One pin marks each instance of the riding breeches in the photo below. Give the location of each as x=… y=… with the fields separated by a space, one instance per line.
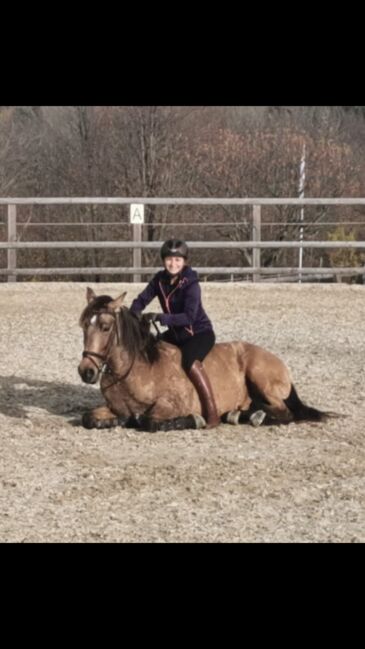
x=194 y=349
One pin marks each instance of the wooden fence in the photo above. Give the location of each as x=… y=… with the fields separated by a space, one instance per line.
x=256 y=270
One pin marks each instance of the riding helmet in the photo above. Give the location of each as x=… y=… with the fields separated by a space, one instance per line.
x=174 y=248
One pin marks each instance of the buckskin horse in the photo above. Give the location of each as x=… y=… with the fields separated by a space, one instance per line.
x=145 y=387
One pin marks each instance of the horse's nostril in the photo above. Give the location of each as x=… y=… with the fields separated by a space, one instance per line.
x=88 y=375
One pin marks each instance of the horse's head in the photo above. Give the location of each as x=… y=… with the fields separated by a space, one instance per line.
x=100 y=323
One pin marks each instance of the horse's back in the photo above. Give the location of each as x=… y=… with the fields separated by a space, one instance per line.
x=237 y=355
x=260 y=366
x=233 y=366
x=248 y=354
x=254 y=355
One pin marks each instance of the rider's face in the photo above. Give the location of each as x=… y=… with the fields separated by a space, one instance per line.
x=174 y=264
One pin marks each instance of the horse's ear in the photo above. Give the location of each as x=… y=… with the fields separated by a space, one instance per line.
x=117 y=303
x=90 y=295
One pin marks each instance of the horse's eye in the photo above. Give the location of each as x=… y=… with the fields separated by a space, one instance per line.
x=105 y=327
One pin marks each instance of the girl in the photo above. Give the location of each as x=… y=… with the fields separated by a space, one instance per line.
x=178 y=290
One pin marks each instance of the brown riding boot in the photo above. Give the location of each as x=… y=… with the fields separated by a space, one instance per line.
x=201 y=382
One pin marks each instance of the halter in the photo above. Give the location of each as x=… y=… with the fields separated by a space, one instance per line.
x=105 y=367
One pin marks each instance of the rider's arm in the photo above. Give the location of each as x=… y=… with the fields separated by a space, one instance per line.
x=144 y=298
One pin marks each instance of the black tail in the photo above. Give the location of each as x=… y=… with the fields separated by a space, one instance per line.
x=301 y=412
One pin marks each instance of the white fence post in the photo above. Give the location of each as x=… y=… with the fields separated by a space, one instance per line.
x=137 y=252
x=256 y=236
x=11 y=239
x=301 y=195
x=137 y=218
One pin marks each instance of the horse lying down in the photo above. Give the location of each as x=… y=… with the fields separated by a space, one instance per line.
x=145 y=387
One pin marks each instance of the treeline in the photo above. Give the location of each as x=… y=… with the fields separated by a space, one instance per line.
x=179 y=151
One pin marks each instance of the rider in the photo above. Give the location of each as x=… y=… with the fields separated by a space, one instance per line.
x=178 y=290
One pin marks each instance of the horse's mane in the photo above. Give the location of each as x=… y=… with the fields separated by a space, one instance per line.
x=136 y=336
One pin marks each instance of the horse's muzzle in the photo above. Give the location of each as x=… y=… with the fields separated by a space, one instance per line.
x=88 y=374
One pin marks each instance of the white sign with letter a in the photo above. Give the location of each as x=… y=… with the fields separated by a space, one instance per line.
x=136 y=214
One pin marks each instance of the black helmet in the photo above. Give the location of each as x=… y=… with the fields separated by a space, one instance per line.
x=174 y=248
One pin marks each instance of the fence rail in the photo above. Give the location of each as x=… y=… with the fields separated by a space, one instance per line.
x=74 y=200
x=206 y=270
x=192 y=244
x=256 y=245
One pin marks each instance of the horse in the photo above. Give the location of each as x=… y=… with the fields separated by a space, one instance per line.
x=145 y=386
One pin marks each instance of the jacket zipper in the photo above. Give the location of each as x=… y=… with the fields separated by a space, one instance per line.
x=167 y=305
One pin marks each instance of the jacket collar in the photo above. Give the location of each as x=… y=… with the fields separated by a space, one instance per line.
x=184 y=275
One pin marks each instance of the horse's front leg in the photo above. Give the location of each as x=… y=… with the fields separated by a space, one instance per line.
x=152 y=425
x=103 y=417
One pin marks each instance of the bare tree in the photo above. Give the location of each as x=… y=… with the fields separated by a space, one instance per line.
x=178 y=151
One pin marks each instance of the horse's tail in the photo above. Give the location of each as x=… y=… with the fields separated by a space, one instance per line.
x=302 y=412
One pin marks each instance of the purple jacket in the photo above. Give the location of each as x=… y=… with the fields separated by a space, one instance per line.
x=181 y=303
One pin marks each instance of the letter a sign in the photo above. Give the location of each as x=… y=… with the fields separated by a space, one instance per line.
x=136 y=213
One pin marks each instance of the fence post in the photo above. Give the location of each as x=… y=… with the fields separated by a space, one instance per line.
x=256 y=236
x=11 y=238
x=137 y=252
x=136 y=217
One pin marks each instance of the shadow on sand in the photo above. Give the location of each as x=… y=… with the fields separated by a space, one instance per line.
x=18 y=393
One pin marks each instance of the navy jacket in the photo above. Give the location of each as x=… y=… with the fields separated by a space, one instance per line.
x=181 y=303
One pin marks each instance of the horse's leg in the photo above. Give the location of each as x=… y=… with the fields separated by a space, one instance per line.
x=253 y=415
x=271 y=401
x=151 y=425
x=102 y=417
x=279 y=412
x=269 y=393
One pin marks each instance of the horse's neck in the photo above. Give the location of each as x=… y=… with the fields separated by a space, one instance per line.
x=123 y=363
x=120 y=360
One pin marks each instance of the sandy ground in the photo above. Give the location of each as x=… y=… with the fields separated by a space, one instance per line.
x=296 y=483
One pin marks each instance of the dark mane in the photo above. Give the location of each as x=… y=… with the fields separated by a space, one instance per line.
x=136 y=336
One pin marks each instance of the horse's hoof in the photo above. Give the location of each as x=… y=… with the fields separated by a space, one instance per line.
x=257 y=418
x=233 y=417
x=87 y=420
x=199 y=421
